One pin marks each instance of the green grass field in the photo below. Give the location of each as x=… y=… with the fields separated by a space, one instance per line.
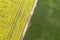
x=45 y=23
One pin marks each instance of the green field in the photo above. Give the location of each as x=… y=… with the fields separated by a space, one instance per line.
x=45 y=23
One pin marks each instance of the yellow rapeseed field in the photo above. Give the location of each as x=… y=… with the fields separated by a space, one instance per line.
x=13 y=17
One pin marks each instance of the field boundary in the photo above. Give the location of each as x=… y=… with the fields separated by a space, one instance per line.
x=27 y=23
